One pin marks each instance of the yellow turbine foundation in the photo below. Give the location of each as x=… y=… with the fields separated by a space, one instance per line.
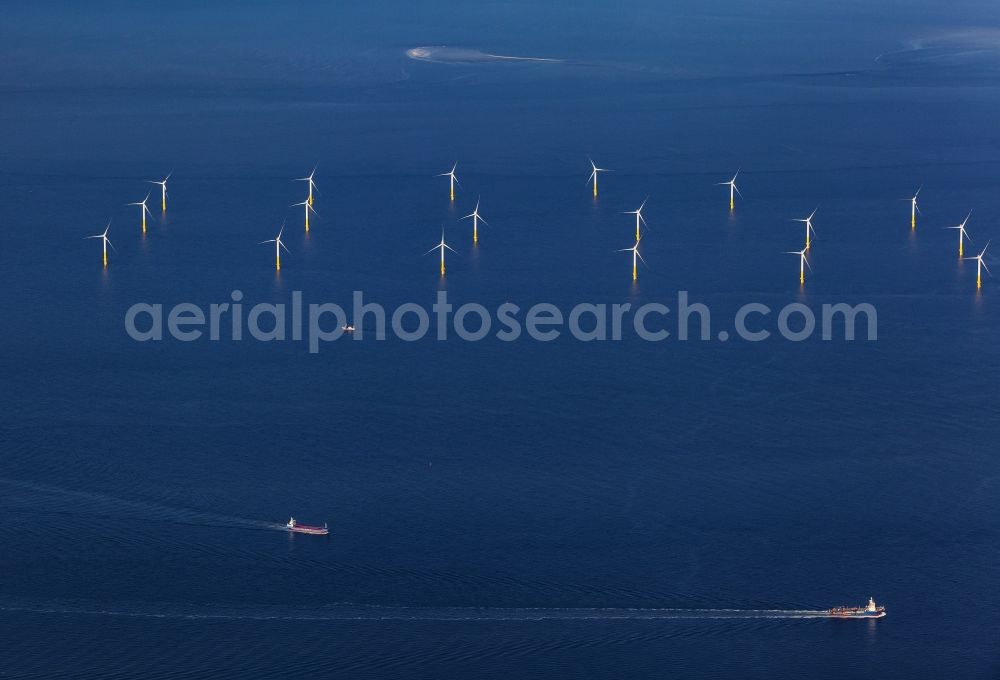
x=105 y=260
x=475 y=233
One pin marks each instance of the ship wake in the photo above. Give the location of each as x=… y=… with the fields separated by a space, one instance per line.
x=40 y=498
x=360 y=612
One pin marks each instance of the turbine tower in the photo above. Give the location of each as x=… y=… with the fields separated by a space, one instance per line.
x=980 y=266
x=143 y=210
x=441 y=246
x=809 y=226
x=733 y=189
x=635 y=258
x=105 y=242
x=638 y=218
x=163 y=189
x=803 y=263
x=312 y=184
x=308 y=207
x=452 y=179
x=476 y=218
x=278 y=245
x=913 y=208
x=594 y=170
x=962 y=233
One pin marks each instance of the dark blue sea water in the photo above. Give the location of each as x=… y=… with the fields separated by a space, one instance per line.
x=499 y=509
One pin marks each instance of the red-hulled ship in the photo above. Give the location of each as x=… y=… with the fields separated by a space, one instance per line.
x=869 y=611
x=297 y=528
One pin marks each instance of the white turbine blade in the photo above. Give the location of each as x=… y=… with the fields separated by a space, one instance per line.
x=809 y=266
x=270 y=240
x=293 y=205
x=102 y=236
x=986 y=268
x=639 y=255
x=450 y=248
x=433 y=249
x=737 y=188
x=643 y=220
x=284 y=246
x=622 y=250
x=985 y=247
x=592 y=176
x=469 y=215
x=483 y=220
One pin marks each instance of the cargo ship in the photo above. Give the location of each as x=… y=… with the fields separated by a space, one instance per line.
x=297 y=528
x=869 y=611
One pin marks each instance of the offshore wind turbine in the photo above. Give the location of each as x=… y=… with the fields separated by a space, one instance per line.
x=441 y=246
x=105 y=243
x=312 y=184
x=476 y=217
x=980 y=266
x=593 y=174
x=803 y=263
x=278 y=245
x=163 y=189
x=308 y=207
x=809 y=226
x=962 y=233
x=635 y=258
x=143 y=210
x=638 y=218
x=733 y=189
x=913 y=207
x=452 y=178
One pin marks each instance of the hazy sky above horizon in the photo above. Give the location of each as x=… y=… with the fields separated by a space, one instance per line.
x=117 y=44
